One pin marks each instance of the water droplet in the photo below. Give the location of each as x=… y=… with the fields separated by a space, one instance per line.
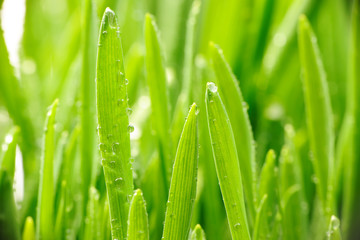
x=245 y=106
x=129 y=111
x=103 y=147
x=130 y=128
x=212 y=87
x=131 y=160
x=126 y=81
x=104 y=32
x=237 y=225
x=116 y=147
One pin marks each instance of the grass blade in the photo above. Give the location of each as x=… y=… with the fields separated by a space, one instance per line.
x=239 y=119
x=183 y=182
x=114 y=129
x=227 y=163
x=198 y=233
x=45 y=206
x=138 y=228
x=334 y=229
x=92 y=226
x=261 y=227
x=318 y=110
x=7 y=161
x=156 y=78
x=29 y=229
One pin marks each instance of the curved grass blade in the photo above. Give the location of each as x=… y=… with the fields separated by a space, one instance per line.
x=114 y=129
x=334 y=229
x=351 y=207
x=226 y=163
x=7 y=161
x=198 y=233
x=156 y=78
x=138 y=228
x=183 y=182
x=239 y=119
x=29 y=229
x=45 y=206
x=318 y=110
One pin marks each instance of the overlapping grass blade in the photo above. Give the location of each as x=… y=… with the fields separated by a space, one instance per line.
x=198 y=233
x=351 y=207
x=60 y=226
x=114 y=129
x=29 y=229
x=45 y=206
x=237 y=112
x=227 y=163
x=7 y=160
x=138 y=228
x=87 y=111
x=92 y=226
x=261 y=227
x=183 y=182
x=156 y=78
x=318 y=111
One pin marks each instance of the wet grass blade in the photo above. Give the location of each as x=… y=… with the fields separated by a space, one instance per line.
x=227 y=163
x=45 y=206
x=318 y=110
x=29 y=229
x=114 y=129
x=239 y=119
x=183 y=182
x=334 y=229
x=156 y=78
x=138 y=228
x=198 y=233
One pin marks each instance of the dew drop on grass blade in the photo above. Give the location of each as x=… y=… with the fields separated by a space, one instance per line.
x=45 y=205
x=226 y=163
x=183 y=182
x=138 y=228
x=239 y=119
x=198 y=233
x=114 y=129
x=318 y=110
x=156 y=79
x=334 y=229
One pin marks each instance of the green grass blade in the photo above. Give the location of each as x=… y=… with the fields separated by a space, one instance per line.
x=183 y=182
x=318 y=109
x=351 y=207
x=239 y=119
x=114 y=129
x=268 y=187
x=9 y=228
x=156 y=78
x=198 y=233
x=29 y=229
x=138 y=228
x=261 y=227
x=91 y=222
x=7 y=161
x=87 y=111
x=227 y=163
x=45 y=206
x=59 y=229
x=334 y=229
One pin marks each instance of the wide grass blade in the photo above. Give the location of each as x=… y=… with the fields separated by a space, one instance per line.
x=114 y=129
x=318 y=111
x=227 y=163
x=45 y=206
x=156 y=78
x=239 y=119
x=29 y=229
x=138 y=228
x=198 y=233
x=334 y=229
x=183 y=182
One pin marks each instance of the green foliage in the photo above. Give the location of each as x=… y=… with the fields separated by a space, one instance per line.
x=130 y=74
